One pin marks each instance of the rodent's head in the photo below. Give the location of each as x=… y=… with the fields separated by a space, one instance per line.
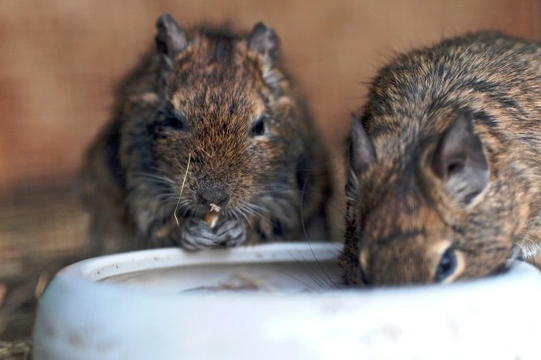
x=226 y=128
x=419 y=214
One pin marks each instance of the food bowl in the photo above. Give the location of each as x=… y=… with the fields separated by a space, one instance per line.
x=276 y=301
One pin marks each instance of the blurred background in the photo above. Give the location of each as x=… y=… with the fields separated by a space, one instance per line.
x=60 y=59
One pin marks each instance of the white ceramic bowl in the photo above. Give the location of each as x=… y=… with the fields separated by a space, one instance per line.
x=276 y=302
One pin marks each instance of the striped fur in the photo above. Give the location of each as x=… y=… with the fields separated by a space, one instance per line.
x=220 y=83
x=400 y=214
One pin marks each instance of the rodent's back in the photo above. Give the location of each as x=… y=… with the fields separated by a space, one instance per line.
x=404 y=210
x=488 y=72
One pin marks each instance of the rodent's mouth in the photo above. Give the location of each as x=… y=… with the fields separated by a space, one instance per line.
x=201 y=211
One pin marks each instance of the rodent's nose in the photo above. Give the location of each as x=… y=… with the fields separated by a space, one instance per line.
x=212 y=195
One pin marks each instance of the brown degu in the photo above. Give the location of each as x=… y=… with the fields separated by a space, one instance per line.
x=210 y=145
x=444 y=174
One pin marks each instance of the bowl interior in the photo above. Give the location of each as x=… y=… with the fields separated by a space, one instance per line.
x=283 y=268
x=287 y=277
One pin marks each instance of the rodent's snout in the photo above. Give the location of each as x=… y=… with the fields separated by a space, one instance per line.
x=212 y=194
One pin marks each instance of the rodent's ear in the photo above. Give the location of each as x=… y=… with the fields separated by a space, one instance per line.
x=459 y=157
x=170 y=38
x=264 y=40
x=361 y=152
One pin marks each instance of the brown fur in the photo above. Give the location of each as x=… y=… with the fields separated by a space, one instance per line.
x=277 y=183
x=401 y=212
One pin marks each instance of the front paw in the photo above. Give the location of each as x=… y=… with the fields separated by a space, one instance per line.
x=198 y=235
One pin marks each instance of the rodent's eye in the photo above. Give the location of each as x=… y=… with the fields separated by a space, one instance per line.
x=173 y=119
x=258 y=127
x=455 y=167
x=446 y=266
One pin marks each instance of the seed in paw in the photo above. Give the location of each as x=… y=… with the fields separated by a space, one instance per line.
x=211 y=218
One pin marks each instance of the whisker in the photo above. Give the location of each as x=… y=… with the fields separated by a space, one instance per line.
x=330 y=204
x=255 y=210
x=246 y=217
x=310 y=273
x=161 y=178
x=319 y=264
x=302 y=208
x=297 y=279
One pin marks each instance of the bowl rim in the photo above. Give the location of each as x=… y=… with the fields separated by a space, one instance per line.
x=89 y=273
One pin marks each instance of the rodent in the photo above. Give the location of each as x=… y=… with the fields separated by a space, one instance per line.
x=444 y=165
x=208 y=120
